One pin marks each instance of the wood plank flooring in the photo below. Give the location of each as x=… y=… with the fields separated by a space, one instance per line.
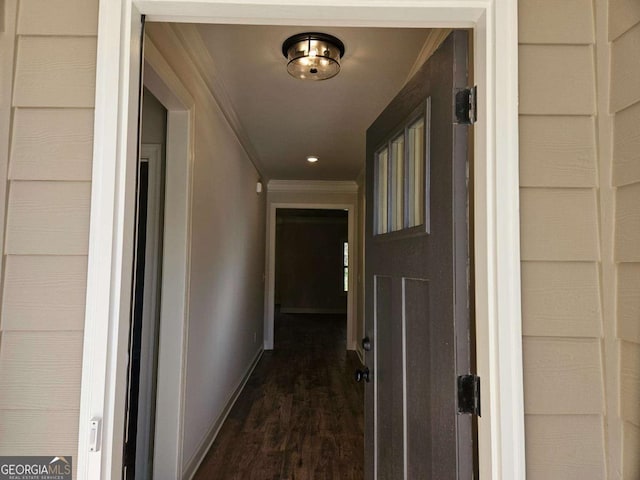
x=300 y=415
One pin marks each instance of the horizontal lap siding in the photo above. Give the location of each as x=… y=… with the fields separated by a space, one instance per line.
x=624 y=33
x=628 y=302
x=563 y=376
x=560 y=249
x=553 y=80
x=559 y=224
x=631 y=447
x=564 y=447
x=47 y=225
x=44 y=292
x=561 y=299
x=48 y=218
x=52 y=144
x=55 y=72
x=557 y=151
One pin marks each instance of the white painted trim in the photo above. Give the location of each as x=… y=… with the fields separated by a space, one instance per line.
x=199 y=55
x=316 y=186
x=352 y=304
x=206 y=443
x=103 y=385
x=162 y=81
x=497 y=246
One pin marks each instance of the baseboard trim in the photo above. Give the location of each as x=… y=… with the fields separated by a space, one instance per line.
x=209 y=438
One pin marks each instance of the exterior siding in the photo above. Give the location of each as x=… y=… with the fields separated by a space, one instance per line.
x=624 y=34
x=48 y=123
x=560 y=242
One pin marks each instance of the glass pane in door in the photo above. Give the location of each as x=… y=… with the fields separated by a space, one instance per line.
x=416 y=173
x=381 y=192
x=397 y=183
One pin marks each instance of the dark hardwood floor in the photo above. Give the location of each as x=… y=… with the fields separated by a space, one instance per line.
x=300 y=415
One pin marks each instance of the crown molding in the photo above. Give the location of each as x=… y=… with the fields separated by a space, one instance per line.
x=192 y=43
x=325 y=186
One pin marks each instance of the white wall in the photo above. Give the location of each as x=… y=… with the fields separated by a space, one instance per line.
x=154 y=120
x=227 y=260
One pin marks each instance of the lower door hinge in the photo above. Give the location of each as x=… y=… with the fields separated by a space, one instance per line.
x=467 y=106
x=469 y=394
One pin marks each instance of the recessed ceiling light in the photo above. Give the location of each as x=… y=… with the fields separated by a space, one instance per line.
x=312 y=159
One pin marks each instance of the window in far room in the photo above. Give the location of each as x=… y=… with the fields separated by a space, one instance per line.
x=345 y=266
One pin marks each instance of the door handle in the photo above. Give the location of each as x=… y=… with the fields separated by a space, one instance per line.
x=362 y=375
x=366 y=344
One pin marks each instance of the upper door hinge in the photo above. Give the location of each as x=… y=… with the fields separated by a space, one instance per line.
x=467 y=106
x=469 y=394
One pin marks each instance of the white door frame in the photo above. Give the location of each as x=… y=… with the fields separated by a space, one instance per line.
x=352 y=313
x=164 y=84
x=497 y=242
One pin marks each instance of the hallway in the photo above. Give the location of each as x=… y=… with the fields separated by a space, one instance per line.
x=300 y=415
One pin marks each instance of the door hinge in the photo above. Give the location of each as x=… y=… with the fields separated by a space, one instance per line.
x=467 y=106
x=469 y=394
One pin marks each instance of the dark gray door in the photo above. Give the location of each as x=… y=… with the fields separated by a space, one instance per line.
x=417 y=278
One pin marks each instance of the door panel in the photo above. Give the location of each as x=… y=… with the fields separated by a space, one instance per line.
x=417 y=271
x=418 y=361
x=385 y=388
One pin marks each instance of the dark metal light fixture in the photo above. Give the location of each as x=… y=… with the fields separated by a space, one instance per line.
x=313 y=56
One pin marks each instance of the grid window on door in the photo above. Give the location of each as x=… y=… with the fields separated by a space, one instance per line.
x=401 y=177
x=397 y=184
x=416 y=173
x=382 y=176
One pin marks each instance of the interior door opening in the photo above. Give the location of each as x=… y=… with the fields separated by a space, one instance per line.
x=498 y=305
x=310 y=264
x=395 y=218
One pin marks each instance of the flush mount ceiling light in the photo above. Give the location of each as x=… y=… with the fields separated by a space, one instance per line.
x=312 y=159
x=313 y=56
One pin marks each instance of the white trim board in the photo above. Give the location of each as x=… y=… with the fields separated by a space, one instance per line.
x=174 y=310
x=269 y=299
x=306 y=186
x=497 y=242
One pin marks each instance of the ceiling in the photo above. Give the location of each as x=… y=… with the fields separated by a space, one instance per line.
x=285 y=119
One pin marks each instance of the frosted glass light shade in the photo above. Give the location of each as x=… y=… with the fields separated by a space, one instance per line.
x=313 y=56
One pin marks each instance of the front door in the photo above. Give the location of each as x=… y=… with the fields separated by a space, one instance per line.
x=418 y=278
